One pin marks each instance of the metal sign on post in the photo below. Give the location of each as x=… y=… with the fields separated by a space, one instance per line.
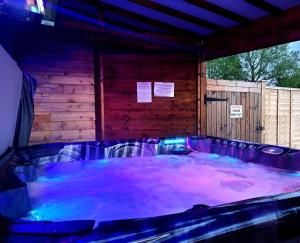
x=236 y=111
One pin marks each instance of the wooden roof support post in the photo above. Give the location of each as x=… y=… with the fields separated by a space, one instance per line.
x=201 y=92
x=98 y=84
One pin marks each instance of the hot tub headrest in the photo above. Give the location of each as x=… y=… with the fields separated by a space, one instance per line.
x=37 y=151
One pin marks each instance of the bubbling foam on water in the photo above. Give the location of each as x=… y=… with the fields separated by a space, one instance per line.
x=149 y=186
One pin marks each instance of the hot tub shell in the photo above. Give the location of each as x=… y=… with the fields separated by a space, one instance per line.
x=273 y=216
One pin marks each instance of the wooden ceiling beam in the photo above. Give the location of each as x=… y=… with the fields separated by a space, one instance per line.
x=113 y=38
x=220 y=11
x=268 y=7
x=178 y=14
x=265 y=32
x=141 y=18
x=91 y=28
x=126 y=27
x=86 y=8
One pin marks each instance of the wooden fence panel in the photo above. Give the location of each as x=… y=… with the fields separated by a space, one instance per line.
x=243 y=120
x=295 y=119
x=250 y=117
x=219 y=115
x=256 y=119
x=233 y=121
x=228 y=123
x=238 y=121
x=247 y=116
x=259 y=118
x=208 y=113
x=284 y=118
x=224 y=116
x=213 y=120
x=270 y=126
x=242 y=93
x=274 y=110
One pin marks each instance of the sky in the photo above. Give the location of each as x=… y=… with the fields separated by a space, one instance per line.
x=295 y=45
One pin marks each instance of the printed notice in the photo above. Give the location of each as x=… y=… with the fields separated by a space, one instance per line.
x=144 y=92
x=236 y=111
x=164 y=89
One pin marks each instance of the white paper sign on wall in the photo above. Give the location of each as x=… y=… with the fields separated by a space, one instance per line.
x=164 y=89
x=144 y=92
x=236 y=111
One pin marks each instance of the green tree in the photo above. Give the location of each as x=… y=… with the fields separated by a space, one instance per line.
x=278 y=64
x=293 y=82
x=228 y=68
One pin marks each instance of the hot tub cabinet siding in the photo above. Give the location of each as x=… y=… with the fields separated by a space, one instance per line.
x=79 y=99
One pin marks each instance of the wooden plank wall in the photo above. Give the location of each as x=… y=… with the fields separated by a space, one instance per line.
x=64 y=102
x=125 y=118
x=220 y=124
x=282 y=116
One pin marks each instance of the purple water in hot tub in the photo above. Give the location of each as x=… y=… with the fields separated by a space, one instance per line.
x=149 y=186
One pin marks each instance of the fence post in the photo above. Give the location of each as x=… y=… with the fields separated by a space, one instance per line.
x=262 y=115
x=291 y=116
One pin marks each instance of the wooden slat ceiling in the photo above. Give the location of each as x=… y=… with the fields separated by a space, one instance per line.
x=204 y=21
x=200 y=17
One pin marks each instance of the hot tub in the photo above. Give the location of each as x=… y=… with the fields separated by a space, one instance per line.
x=169 y=190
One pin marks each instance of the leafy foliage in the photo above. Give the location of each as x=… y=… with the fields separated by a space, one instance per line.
x=227 y=68
x=277 y=64
x=293 y=81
